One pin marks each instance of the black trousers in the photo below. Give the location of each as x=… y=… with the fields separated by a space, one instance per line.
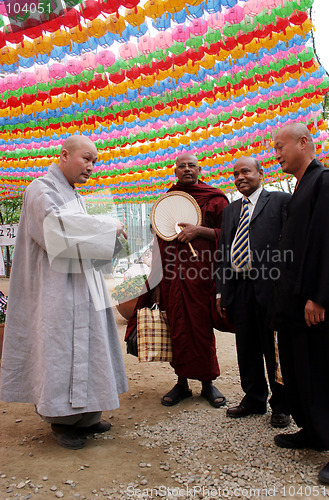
x=304 y=357
x=254 y=342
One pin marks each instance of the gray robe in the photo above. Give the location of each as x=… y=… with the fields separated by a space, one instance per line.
x=61 y=348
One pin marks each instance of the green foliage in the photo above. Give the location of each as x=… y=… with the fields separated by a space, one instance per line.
x=3 y=307
x=129 y=289
x=103 y=208
x=10 y=210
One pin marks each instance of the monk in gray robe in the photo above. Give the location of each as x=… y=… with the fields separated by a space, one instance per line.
x=61 y=347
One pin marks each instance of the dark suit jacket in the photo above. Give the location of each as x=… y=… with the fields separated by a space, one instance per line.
x=305 y=275
x=264 y=231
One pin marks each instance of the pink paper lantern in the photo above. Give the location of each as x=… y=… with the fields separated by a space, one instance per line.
x=57 y=71
x=146 y=44
x=180 y=33
x=74 y=67
x=234 y=15
x=11 y=82
x=163 y=40
x=216 y=21
x=88 y=61
x=199 y=27
x=42 y=74
x=105 y=58
x=27 y=79
x=128 y=50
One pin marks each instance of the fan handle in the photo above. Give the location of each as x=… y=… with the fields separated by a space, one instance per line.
x=178 y=230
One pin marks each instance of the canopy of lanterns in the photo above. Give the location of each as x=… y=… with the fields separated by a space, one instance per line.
x=149 y=80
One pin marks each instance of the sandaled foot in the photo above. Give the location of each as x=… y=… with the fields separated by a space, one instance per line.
x=177 y=394
x=213 y=396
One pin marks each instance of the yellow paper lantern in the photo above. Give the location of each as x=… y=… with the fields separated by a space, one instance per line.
x=135 y=16
x=96 y=28
x=60 y=38
x=154 y=8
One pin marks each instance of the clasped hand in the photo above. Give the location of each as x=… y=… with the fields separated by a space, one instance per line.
x=121 y=230
x=189 y=232
x=314 y=313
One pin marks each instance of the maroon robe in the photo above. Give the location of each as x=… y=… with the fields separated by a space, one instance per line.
x=188 y=290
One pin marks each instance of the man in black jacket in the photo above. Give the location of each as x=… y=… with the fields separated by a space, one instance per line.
x=301 y=295
x=250 y=232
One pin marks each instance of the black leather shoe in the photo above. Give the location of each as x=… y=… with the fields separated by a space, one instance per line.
x=296 y=441
x=280 y=420
x=98 y=428
x=241 y=411
x=67 y=437
x=324 y=474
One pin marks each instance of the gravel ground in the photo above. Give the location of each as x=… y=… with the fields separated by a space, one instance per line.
x=188 y=451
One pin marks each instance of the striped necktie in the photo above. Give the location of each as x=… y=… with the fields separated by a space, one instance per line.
x=240 y=251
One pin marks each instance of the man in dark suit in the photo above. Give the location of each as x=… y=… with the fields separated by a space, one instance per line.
x=248 y=247
x=301 y=295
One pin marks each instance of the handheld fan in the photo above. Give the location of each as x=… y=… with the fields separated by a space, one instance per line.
x=172 y=208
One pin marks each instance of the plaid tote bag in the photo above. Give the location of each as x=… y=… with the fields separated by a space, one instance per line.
x=153 y=335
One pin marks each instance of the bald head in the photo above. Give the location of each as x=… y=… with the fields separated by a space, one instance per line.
x=294 y=148
x=77 y=141
x=187 y=169
x=77 y=159
x=248 y=175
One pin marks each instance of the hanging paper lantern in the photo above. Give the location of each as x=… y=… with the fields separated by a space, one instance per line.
x=27 y=79
x=110 y=6
x=96 y=28
x=71 y=18
x=135 y=17
x=74 y=67
x=88 y=61
x=128 y=50
x=163 y=40
x=115 y=24
x=25 y=49
x=78 y=34
x=43 y=45
x=173 y=6
x=105 y=58
x=42 y=74
x=154 y=8
x=180 y=33
x=199 y=27
x=163 y=22
x=234 y=15
x=60 y=38
x=146 y=44
x=91 y=10
x=57 y=71
x=8 y=55
x=130 y=4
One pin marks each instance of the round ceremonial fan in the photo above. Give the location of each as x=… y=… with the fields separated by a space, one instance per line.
x=172 y=208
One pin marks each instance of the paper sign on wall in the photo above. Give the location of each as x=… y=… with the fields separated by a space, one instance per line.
x=8 y=233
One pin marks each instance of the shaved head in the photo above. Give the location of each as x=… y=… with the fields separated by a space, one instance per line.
x=187 y=169
x=77 y=159
x=77 y=141
x=186 y=156
x=297 y=130
x=294 y=148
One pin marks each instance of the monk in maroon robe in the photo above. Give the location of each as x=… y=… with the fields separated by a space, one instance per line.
x=187 y=289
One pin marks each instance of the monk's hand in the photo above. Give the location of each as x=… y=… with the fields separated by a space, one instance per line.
x=188 y=232
x=314 y=313
x=121 y=229
x=156 y=295
x=221 y=310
